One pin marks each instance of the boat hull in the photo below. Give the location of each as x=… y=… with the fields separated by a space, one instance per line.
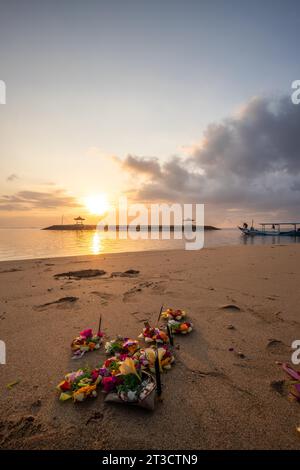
x=270 y=233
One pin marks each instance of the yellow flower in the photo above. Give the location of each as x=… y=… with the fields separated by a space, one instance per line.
x=128 y=367
x=65 y=396
x=150 y=354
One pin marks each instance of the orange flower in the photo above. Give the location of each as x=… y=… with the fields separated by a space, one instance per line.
x=164 y=337
x=83 y=392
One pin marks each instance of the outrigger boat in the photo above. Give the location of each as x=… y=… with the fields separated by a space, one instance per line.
x=272 y=229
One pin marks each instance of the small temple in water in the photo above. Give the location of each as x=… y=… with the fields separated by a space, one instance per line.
x=79 y=220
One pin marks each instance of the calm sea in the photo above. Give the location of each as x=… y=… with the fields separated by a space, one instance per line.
x=16 y=244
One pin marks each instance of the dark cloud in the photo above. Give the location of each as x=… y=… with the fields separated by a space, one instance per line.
x=12 y=177
x=264 y=138
x=147 y=165
x=250 y=160
x=27 y=200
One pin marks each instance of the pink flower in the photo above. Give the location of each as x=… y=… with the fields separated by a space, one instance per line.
x=109 y=383
x=88 y=333
x=123 y=356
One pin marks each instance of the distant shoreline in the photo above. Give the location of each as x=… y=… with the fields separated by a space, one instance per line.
x=124 y=228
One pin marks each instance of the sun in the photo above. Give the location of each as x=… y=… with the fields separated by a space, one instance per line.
x=97 y=204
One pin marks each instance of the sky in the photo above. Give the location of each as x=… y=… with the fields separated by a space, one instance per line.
x=173 y=101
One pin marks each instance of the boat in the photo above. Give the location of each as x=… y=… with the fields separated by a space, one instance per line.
x=287 y=229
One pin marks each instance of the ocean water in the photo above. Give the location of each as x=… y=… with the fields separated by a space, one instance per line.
x=23 y=243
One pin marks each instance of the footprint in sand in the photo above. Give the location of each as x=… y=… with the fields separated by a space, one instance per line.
x=83 y=274
x=156 y=288
x=18 y=429
x=279 y=386
x=36 y=406
x=130 y=294
x=230 y=308
x=276 y=346
x=137 y=315
x=12 y=270
x=95 y=418
x=60 y=302
x=272 y=297
x=103 y=296
x=128 y=273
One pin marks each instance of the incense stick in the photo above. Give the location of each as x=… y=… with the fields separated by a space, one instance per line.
x=170 y=335
x=100 y=320
x=160 y=312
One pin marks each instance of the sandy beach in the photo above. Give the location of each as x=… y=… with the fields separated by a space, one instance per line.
x=240 y=298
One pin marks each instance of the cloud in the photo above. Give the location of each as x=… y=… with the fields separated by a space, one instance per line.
x=145 y=165
x=250 y=160
x=263 y=138
x=12 y=177
x=28 y=200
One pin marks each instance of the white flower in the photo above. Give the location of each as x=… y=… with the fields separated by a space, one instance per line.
x=148 y=340
x=79 y=397
x=131 y=395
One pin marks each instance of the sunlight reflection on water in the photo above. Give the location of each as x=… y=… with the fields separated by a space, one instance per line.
x=35 y=243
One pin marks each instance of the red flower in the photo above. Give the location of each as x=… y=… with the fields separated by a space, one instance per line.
x=108 y=383
x=95 y=374
x=65 y=386
x=107 y=362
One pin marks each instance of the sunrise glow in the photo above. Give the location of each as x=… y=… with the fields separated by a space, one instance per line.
x=97 y=204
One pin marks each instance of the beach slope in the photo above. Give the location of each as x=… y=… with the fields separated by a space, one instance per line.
x=225 y=390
